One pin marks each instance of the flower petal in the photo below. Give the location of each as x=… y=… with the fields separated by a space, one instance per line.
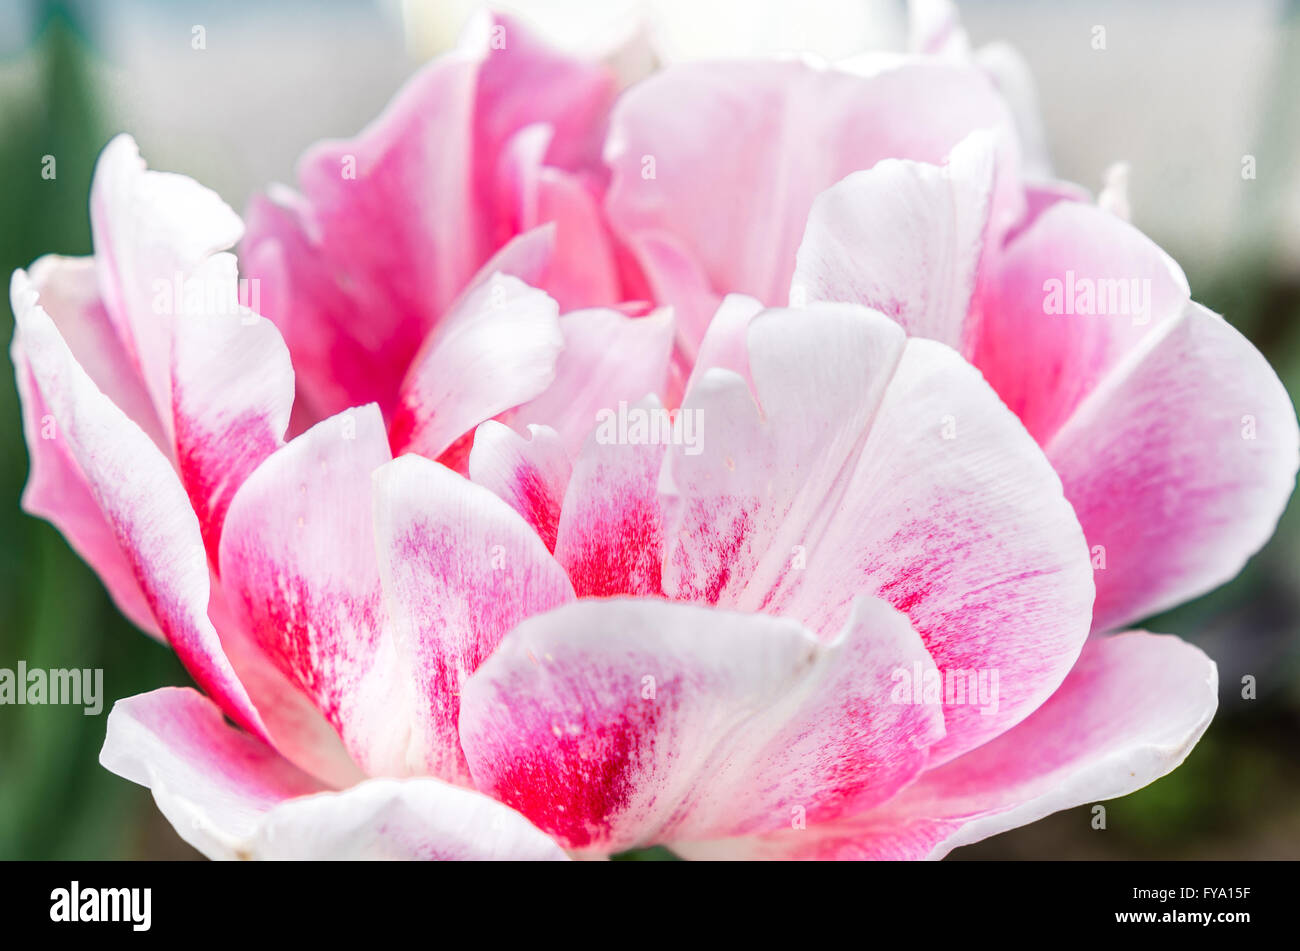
x=151 y=230
x=56 y=489
x=232 y=391
x=139 y=496
x=678 y=139
x=726 y=342
x=1041 y=355
x=883 y=467
x=608 y=358
x=1176 y=442
x=582 y=270
x=618 y=723
x=954 y=516
x=742 y=501
x=393 y=224
x=299 y=568
x=610 y=536
x=230 y=796
x=903 y=238
x=1130 y=712
x=1179 y=466
x=460 y=568
x=529 y=474
x=218 y=374
x=496 y=350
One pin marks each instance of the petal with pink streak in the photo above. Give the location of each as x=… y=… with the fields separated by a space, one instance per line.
x=151 y=230
x=678 y=139
x=582 y=270
x=904 y=238
x=218 y=374
x=741 y=508
x=1179 y=465
x=884 y=466
x=524 y=81
x=140 y=498
x=496 y=350
x=608 y=358
x=232 y=391
x=56 y=490
x=297 y=728
x=530 y=474
x=1040 y=354
x=612 y=724
x=1130 y=712
x=953 y=515
x=460 y=568
x=393 y=224
x=232 y=797
x=610 y=537
x=1174 y=438
x=299 y=569
x=338 y=360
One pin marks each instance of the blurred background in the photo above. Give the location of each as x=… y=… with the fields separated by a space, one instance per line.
x=1183 y=91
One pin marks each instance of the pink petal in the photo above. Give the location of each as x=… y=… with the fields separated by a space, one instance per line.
x=140 y=498
x=1130 y=712
x=338 y=362
x=394 y=223
x=970 y=536
x=218 y=375
x=298 y=730
x=496 y=349
x=724 y=160
x=726 y=342
x=151 y=230
x=531 y=474
x=232 y=390
x=618 y=723
x=1043 y=364
x=608 y=357
x=1179 y=466
x=460 y=568
x=884 y=468
x=610 y=536
x=765 y=476
x=1174 y=438
x=56 y=489
x=673 y=275
x=903 y=238
x=298 y=565
x=231 y=797
x=582 y=270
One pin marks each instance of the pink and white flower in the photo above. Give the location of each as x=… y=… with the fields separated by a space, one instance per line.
x=447 y=619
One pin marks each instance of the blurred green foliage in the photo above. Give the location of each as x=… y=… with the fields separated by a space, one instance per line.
x=1236 y=796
